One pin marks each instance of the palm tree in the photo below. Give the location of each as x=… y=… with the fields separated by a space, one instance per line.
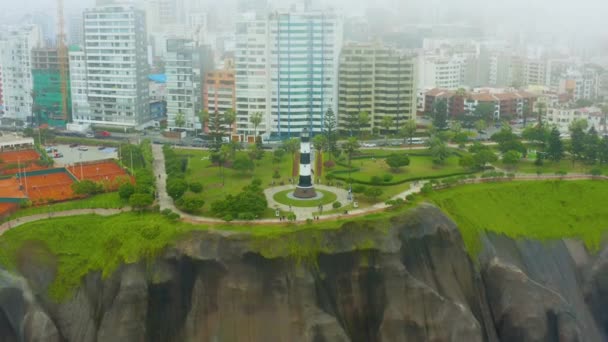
x=230 y=118
x=363 y=121
x=409 y=130
x=350 y=147
x=387 y=121
x=256 y=120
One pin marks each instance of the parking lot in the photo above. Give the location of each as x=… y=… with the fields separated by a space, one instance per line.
x=73 y=155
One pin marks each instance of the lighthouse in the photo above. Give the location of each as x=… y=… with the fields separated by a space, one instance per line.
x=304 y=188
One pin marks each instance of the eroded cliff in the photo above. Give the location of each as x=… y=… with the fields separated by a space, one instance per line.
x=410 y=281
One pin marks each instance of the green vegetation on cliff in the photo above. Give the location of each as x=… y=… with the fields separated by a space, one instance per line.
x=535 y=210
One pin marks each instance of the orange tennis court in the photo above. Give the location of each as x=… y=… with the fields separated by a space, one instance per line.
x=107 y=172
x=13 y=157
x=53 y=187
x=9 y=188
x=7 y=208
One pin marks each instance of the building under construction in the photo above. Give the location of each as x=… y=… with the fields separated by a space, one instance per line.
x=47 y=94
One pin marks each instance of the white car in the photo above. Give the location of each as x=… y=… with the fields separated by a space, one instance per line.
x=83 y=148
x=368 y=145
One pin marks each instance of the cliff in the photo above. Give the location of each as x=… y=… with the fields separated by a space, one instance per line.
x=411 y=281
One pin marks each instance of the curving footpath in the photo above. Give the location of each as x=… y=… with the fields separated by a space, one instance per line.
x=27 y=219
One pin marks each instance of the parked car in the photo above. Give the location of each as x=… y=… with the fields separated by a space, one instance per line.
x=73 y=145
x=368 y=145
x=101 y=148
x=58 y=155
x=83 y=148
x=90 y=135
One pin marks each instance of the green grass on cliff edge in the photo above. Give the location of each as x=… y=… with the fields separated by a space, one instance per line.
x=75 y=246
x=535 y=210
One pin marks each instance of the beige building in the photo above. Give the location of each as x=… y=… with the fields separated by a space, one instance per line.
x=378 y=80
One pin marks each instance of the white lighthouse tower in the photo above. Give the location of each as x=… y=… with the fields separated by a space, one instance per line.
x=304 y=188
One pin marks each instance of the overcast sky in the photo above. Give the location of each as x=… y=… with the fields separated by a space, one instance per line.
x=587 y=17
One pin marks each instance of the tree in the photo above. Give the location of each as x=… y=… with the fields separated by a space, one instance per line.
x=440 y=114
x=246 y=205
x=292 y=146
x=243 y=164
x=350 y=147
x=329 y=130
x=577 y=139
x=255 y=152
x=230 y=118
x=480 y=125
x=485 y=111
x=125 y=190
x=603 y=150
x=180 y=119
x=386 y=123
x=256 y=120
x=363 y=121
x=484 y=157
x=591 y=146
x=196 y=187
x=540 y=111
x=139 y=201
x=508 y=141
x=439 y=150
x=277 y=155
x=511 y=158
x=203 y=117
x=217 y=131
x=395 y=161
x=555 y=147
x=409 y=130
x=176 y=187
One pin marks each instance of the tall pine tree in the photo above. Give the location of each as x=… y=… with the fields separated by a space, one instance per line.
x=555 y=147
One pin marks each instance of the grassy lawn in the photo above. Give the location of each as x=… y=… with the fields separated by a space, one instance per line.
x=537 y=210
x=103 y=201
x=328 y=197
x=550 y=167
x=420 y=166
x=200 y=169
x=77 y=245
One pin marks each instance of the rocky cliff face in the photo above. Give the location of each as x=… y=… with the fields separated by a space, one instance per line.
x=412 y=281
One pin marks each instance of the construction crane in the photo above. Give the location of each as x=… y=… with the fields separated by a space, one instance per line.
x=62 y=59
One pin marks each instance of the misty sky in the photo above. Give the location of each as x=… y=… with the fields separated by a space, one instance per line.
x=559 y=16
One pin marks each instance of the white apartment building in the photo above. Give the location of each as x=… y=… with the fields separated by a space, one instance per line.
x=563 y=117
x=81 y=111
x=441 y=71
x=15 y=58
x=304 y=55
x=252 y=69
x=117 y=68
x=535 y=72
x=183 y=88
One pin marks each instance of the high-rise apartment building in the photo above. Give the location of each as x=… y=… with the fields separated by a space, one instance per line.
x=286 y=68
x=15 y=58
x=304 y=53
x=183 y=69
x=219 y=93
x=252 y=69
x=81 y=111
x=116 y=65
x=441 y=71
x=378 y=80
x=48 y=98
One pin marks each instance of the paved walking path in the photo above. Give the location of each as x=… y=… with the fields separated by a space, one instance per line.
x=26 y=219
x=304 y=212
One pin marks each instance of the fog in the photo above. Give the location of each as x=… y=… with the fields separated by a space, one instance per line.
x=579 y=20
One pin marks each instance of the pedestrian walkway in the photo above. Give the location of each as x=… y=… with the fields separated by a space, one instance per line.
x=303 y=213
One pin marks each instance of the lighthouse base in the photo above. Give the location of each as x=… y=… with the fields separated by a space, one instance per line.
x=305 y=193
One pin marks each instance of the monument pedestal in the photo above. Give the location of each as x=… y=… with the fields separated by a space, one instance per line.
x=305 y=192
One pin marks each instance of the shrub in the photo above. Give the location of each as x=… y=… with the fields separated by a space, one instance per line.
x=87 y=187
x=190 y=203
x=125 y=190
x=376 y=180
x=387 y=177
x=140 y=201
x=561 y=173
x=166 y=212
x=173 y=216
x=595 y=172
x=410 y=197
x=427 y=188
x=176 y=187
x=328 y=164
x=373 y=193
x=396 y=161
x=276 y=174
x=336 y=205
x=196 y=187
